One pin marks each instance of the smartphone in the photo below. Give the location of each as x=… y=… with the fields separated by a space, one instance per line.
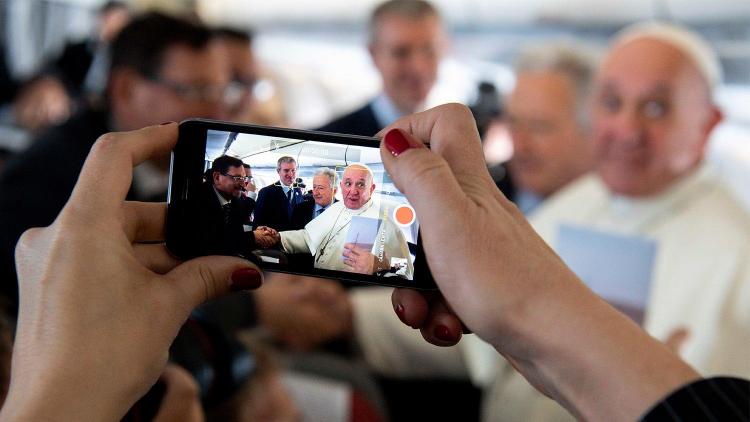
x=323 y=204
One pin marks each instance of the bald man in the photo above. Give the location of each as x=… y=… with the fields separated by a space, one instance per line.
x=327 y=237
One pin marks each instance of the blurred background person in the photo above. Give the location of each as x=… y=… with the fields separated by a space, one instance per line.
x=79 y=72
x=407 y=41
x=549 y=123
x=163 y=69
x=259 y=102
x=653 y=112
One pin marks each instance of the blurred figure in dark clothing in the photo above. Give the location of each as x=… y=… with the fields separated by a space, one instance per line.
x=162 y=69
x=407 y=41
x=79 y=71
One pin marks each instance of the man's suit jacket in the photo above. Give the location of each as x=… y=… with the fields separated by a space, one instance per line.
x=273 y=209
x=359 y=122
x=219 y=236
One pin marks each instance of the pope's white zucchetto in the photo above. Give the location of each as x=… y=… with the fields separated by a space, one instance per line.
x=690 y=44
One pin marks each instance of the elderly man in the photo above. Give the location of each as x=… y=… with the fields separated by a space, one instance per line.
x=653 y=112
x=328 y=239
x=407 y=41
x=548 y=122
x=323 y=192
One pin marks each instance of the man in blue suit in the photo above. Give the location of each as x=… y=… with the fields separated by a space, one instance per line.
x=407 y=41
x=276 y=202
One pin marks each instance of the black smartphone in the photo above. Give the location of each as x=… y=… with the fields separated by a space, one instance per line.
x=292 y=201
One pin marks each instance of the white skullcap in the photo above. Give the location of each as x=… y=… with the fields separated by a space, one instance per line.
x=692 y=45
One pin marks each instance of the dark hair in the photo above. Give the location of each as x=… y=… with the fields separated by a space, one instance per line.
x=112 y=5
x=409 y=9
x=233 y=34
x=142 y=44
x=223 y=163
x=247 y=166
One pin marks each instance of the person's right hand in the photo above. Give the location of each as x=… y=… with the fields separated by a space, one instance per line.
x=303 y=312
x=42 y=103
x=101 y=300
x=508 y=286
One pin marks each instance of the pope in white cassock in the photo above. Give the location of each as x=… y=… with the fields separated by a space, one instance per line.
x=653 y=112
x=325 y=237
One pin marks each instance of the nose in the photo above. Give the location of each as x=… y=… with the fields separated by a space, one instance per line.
x=627 y=125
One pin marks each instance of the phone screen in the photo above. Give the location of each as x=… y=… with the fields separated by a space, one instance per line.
x=293 y=201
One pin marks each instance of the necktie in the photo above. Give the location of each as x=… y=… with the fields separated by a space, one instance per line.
x=226 y=208
x=319 y=211
x=289 y=195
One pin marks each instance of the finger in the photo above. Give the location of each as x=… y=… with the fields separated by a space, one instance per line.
x=446 y=128
x=442 y=328
x=107 y=173
x=204 y=278
x=144 y=221
x=411 y=306
x=155 y=257
x=422 y=176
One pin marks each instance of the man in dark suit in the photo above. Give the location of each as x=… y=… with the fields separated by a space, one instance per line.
x=323 y=192
x=407 y=41
x=162 y=69
x=276 y=202
x=224 y=210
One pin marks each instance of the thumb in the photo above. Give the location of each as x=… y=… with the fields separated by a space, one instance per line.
x=208 y=277
x=423 y=176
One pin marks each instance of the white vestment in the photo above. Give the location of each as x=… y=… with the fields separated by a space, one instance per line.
x=324 y=238
x=701 y=282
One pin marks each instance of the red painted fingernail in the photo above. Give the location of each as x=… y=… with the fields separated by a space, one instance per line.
x=396 y=142
x=166 y=123
x=442 y=333
x=245 y=279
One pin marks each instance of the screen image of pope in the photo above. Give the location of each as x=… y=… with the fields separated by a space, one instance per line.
x=350 y=218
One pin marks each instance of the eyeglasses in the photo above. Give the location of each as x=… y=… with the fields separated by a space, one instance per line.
x=236 y=178
x=231 y=93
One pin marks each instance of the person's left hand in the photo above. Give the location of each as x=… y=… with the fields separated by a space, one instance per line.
x=100 y=302
x=359 y=259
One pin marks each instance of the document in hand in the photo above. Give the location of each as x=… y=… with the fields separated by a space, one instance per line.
x=363 y=231
x=618 y=268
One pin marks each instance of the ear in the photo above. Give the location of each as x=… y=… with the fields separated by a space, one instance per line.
x=215 y=177
x=715 y=116
x=372 y=188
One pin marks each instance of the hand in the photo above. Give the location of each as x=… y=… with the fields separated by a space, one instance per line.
x=303 y=312
x=358 y=259
x=508 y=286
x=98 y=306
x=181 y=401
x=266 y=237
x=41 y=103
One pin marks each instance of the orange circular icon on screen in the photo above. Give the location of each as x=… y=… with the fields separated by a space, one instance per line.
x=404 y=215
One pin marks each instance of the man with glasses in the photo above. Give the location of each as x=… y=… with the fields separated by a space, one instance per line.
x=162 y=69
x=225 y=211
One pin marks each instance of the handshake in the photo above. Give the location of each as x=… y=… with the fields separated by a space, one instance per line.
x=266 y=237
